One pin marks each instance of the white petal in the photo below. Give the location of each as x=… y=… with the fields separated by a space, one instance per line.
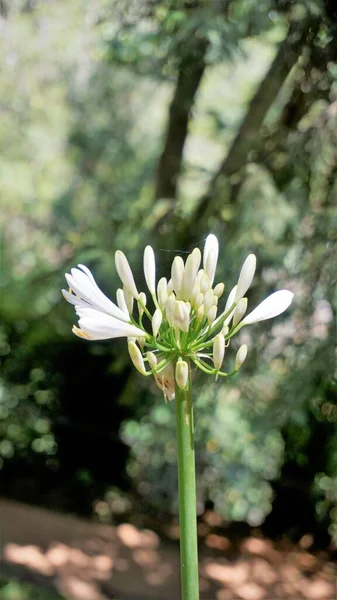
x=177 y=274
x=100 y=326
x=124 y=271
x=121 y=302
x=156 y=321
x=181 y=374
x=75 y=300
x=240 y=310
x=246 y=276
x=191 y=269
x=136 y=357
x=271 y=307
x=218 y=350
x=87 y=289
x=240 y=356
x=209 y=263
x=150 y=269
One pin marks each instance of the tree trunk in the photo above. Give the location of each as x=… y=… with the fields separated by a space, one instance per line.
x=191 y=69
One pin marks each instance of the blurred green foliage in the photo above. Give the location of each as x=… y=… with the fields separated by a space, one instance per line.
x=87 y=105
x=15 y=590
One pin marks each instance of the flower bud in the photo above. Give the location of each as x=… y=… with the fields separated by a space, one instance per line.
x=210 y=256
x=205 y=283
x=156 y=321
x=169 y=287
x=218 y=351
x=170 y=306
x=240 y=356
x=121 y=301
x=208 y=300
x=181 y=316
x=141 y=303
x=199 y=300
x=149 y=264
x=219 y=289
x=136 y=357
x=162 y=292
x=211 y=315
x=181 y=373
x=177 y=274
x=239 y=311
x=246 y=276
x=152 y=359
x=190 y=273
x=200 y=313
x=124 y=271
x=271 y=307
x=129 y=299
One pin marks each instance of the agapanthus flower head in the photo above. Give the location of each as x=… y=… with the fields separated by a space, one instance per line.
x=184 y=324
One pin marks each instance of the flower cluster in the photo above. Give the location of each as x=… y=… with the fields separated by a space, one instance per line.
x=184 y=323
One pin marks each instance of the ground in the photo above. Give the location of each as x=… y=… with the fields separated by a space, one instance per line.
x=88 y=561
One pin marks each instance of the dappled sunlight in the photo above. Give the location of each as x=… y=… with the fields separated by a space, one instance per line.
x=88 y=561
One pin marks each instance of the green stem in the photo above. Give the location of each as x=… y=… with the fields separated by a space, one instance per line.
x=187 y=496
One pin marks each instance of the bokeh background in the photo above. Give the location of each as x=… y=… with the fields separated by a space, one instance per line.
x=131 y=122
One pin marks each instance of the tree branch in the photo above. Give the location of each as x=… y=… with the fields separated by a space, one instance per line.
x=191 y=69
x=248 y=135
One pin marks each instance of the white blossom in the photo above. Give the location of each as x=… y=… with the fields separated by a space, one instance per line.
x=180 y=324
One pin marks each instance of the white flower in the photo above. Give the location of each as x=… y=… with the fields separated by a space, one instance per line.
x=156 y=321
x=87 y=294
x=210 y=256
x=180 y=324
x=271 y=307
x=136 y=357
x=181 y=373
x=246 y=276
x=124 y=271
x=150 y=269
x=96 y=325
x=240 y=356
x=218 y=350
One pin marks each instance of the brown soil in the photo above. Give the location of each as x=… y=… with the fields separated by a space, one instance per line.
x=88 y=561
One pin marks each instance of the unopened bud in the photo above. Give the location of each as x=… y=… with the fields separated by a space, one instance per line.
x=141 y=303
x=136 y=357
x=156 y=321
x=177 y=274
x=121 y=301
x=205 y=283
x=218 y=351
x=124 y=271
x=240 y=356
x=210 y=256
x=240 y=311
x=181 y=316
x=211 y=315
x=152 y=359
x=191 y=268
x=149 y=264
x=219 y=289
x=162 y=292
x=208 y=300
x=129 y=299
x=181 y=373
x=199 y=300
x=246 y=276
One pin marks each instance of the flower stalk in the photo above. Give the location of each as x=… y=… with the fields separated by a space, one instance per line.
x=187 y=494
